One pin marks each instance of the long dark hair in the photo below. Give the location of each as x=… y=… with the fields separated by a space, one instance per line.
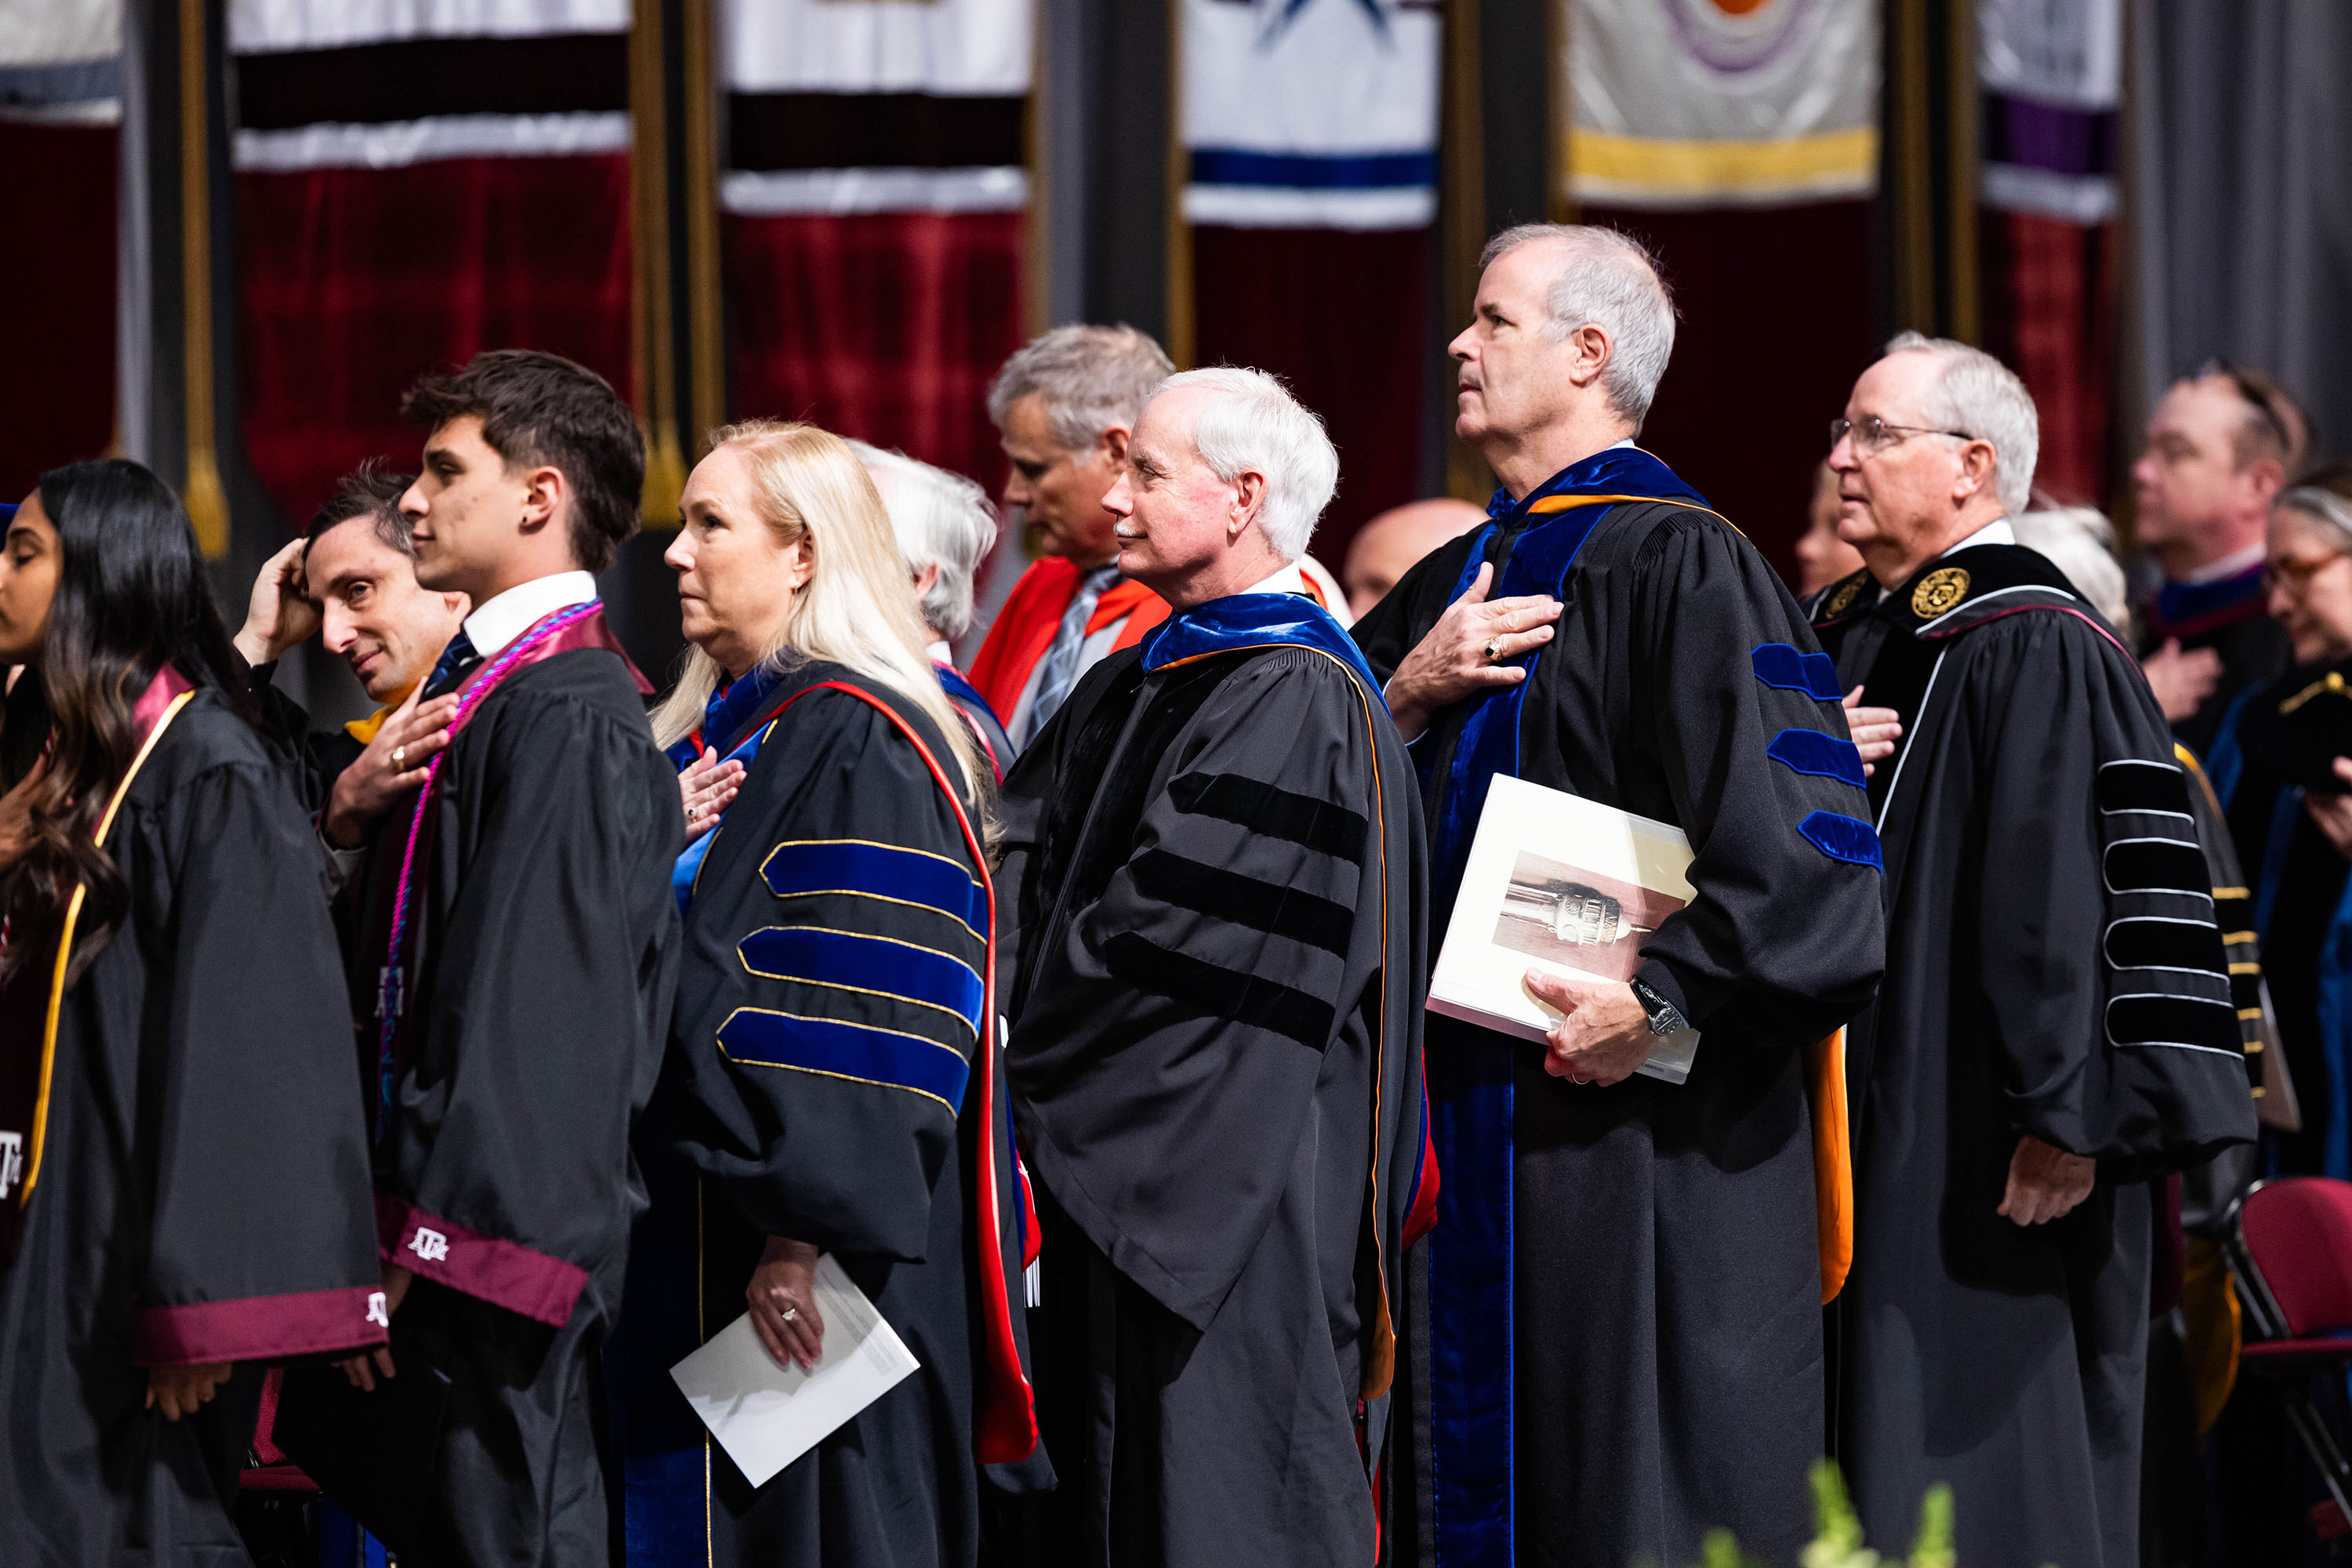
x=131 y=596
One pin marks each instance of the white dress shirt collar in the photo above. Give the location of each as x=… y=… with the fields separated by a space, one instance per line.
x=1997 y=531
x=1289 y=580
x=2229 y=566
x=503 y=617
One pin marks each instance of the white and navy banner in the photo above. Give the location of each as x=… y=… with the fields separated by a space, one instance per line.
x=872 y=106
x=58 y=61
x=386 y=84
x=2053 y=80
x=1311 y=114
x=1701 y=103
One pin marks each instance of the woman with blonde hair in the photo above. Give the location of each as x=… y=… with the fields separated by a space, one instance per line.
x=832 y=1109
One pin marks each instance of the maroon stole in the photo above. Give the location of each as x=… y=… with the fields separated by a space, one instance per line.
x=574 y=626
x=33 y=996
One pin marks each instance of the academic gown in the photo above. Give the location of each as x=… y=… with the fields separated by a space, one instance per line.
x=1217 y=878
x=832 y=1078
x=541 y=943
x=201 y=1192
x=2231 y=617
x=1625 y=1282
x=2054 y=968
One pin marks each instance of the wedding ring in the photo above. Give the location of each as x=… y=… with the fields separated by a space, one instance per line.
x=400 y=753
x=790 y=1313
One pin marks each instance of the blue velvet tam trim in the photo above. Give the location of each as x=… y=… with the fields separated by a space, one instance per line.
x=847 y=960
x=1844 y=838
x=863 y=868
x=884 y=1057
x=1254 y=620
x=1815 y=674
x=1822 y=755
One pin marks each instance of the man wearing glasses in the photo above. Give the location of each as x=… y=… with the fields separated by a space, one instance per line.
x=2055 y=1027
x=2219 y=446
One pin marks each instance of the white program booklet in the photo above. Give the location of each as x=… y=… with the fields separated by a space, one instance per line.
x=767 y=1415
x=1555 y=881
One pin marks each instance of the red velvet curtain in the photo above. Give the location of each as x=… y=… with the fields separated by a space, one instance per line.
x=886 y=326
x=2050 y=312
x=56 y=271
x=357 y=281
x=1776 y=324
x=1340 y=315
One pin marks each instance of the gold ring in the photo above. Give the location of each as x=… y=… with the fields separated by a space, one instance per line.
x=399 y=758
x=1494 y=647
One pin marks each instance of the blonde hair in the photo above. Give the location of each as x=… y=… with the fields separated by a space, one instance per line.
x=857 y=609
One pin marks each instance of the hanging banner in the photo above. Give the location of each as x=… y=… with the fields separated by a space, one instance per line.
x=1700 y=103
x=2052 y=78
x=1310 y=114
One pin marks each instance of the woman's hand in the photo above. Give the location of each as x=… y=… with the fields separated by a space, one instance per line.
x=2333 y=813
x=178 y=1389
x=782 y=1298
x=706 y=788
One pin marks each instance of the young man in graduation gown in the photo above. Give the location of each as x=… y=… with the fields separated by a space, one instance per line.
x=1624 y=1322
x=182 y=1165
x=2057 y=1023
x=514 y=965
x=1066 y=405
x=1214 y=876
x=351 y=581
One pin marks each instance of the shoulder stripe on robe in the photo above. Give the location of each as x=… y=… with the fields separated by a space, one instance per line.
x=878 y=965
x=762 y=1037
x=1212 y=991
x=860 y=869
x=1303 y=819
x=1244 y=900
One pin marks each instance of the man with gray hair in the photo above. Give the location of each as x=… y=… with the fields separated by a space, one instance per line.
x=2057 y=1025
x=1623 y=1336
x=1067 y=404
x=946 y=528
x=1211 y=917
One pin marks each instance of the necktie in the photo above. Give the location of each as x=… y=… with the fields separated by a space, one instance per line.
x=1058 y=671
x=455 y=656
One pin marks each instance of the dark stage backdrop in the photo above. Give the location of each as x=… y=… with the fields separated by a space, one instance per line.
x=884 y=326
x=1776 y=322
x=57 y=272
x=1341 y=316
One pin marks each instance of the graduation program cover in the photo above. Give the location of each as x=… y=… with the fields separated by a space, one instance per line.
x=1555 y=881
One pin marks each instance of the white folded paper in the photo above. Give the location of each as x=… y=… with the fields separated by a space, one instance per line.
x=767 y=1415
x=1555 y=881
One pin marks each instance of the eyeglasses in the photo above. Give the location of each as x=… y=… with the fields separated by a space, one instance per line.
x=2295 y=576
x=2257 y=393
x=1872 y=434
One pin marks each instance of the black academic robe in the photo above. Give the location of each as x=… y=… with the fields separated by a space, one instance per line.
x=318 y=756
x=2053 y=970
x=2232 y=619
x=1217 y=878
x=1625 y=1282
x=542 y=944
x=201 y=1194
x=832 y=1078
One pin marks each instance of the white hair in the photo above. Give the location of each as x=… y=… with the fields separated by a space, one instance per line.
x=2081 y=542
x=1089 y=378
x=942 y=519
x=1609 y=280
x=1251 y=423
x=1980 y=396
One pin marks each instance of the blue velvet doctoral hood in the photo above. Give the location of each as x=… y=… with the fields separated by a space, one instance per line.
x=1253 y=620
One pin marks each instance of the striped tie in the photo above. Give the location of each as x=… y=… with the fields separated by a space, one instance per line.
x=1058 y=671
x=455 y=656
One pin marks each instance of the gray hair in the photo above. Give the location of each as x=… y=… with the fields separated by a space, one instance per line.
x=941 y=520
x=2081 y=542
x=2318 y=504
x=1983 y=397
x=1610 y=281
x=1089 y=379
x=1254 y=423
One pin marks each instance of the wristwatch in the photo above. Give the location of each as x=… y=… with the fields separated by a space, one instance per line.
x=1665 y=1019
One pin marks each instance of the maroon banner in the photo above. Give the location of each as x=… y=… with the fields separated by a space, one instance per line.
x=355 y=282
x=56 y=400
x=887 y=327
x=1340 y=315
x=2050 y=312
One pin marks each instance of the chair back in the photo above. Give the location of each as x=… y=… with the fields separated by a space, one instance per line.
x=2295 y=1235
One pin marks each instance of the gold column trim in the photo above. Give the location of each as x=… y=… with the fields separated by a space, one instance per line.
x=1179 y=338
x=1461 y=211
x=1961 y=168
x=653 y=341
x=704 y=311
x=206 y=500
x=1910 y=174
